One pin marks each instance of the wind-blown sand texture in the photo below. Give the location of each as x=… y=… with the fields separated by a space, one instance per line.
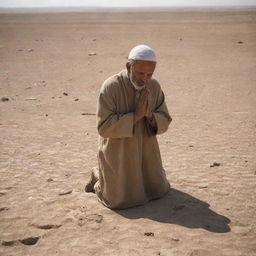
x=51 y=69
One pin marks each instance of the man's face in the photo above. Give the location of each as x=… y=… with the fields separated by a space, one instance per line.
x=141 y=72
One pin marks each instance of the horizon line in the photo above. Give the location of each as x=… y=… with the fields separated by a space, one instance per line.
x=124 y=8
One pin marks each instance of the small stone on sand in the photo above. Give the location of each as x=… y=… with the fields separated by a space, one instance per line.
x=30 y=99
x=4 y=99
x=87 y=114
x=203 y=186
x=63 y=193
x=149 y=234
x=215 y=164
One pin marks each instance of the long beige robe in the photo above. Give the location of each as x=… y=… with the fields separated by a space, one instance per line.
x=130 y=165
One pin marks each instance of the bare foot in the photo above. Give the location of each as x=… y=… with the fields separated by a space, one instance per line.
x=89 y=187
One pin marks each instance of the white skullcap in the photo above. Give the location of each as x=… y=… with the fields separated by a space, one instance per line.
x=142 y=52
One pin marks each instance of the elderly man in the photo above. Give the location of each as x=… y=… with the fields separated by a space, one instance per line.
x=131 y=111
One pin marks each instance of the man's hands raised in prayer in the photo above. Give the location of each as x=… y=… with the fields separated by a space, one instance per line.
x=143 y=106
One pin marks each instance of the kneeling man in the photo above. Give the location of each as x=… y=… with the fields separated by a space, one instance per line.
x=131 y=111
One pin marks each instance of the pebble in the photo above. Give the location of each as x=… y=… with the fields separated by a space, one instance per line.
x=215 y=164
x=92 y=53
x=87 y=114
x=64 y=93
x=30 y=50
x=49 y=180
x=31 y=99
x=149 y=234
x=98 y=218
x=240 y=42
x=44 y=83
x=65 y=192
x=203 y=186
x=47 y=226
x=4 y=99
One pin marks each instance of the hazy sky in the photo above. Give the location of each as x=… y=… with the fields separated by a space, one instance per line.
x=124 y=3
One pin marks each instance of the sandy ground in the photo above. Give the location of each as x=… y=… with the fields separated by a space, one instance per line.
x=51 y=69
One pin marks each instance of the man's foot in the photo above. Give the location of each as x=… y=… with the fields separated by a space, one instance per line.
x=89 y=187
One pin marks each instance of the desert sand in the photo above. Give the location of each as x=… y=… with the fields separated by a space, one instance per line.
x=51 y=69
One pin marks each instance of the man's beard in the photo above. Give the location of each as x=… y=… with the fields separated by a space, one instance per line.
x=137 y=86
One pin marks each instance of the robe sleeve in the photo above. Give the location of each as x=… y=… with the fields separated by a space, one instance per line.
x=110 y=123
x=161 y=115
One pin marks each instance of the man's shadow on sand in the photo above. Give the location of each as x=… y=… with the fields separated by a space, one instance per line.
x=182 y=209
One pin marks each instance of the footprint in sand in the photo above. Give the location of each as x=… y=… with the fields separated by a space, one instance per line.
x=30 y=240
x=9 y=243
x=81 y=217
x=94 y=218
x=90 y=218
x=26 y=241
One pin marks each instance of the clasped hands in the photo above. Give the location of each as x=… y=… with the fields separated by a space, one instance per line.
x=143 y=107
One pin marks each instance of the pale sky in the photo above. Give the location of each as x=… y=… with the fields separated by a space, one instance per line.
x=123 y=3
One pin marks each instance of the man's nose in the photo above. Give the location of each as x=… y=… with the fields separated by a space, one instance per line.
x=145 y=78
